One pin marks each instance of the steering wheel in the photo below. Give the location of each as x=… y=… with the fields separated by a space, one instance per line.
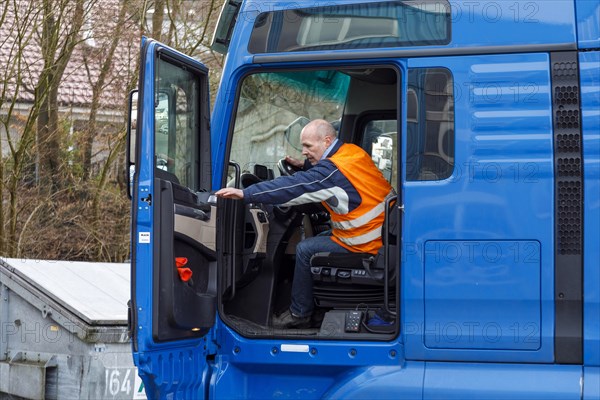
x=287 y=169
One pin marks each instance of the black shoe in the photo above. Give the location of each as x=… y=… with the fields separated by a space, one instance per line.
x=288 y=320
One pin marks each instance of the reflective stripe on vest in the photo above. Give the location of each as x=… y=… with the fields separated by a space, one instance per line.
x=362 y=239
x=365 y=218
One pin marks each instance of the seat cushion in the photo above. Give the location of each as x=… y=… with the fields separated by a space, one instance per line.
x=345 y=260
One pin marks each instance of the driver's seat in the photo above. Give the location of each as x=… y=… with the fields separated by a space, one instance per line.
x=349 y=279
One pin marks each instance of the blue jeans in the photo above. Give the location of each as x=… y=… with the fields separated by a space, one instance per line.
x=302 y=286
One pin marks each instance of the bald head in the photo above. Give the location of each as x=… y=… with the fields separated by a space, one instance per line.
x=321 y=128
x=316 y=137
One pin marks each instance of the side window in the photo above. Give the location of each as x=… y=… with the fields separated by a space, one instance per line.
x=176 y=123
x=353 y=26
x=380 y=140
x=430 y=125
x=430 y=130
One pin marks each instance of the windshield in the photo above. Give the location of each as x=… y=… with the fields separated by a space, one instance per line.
x=274 y=107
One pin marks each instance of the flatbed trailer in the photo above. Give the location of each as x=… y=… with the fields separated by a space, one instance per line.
x=64 y=331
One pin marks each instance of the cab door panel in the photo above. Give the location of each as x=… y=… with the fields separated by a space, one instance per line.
x=171 y=316
x=184 y=308
x=478 y=261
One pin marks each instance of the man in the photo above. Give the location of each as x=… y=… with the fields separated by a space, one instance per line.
x=344 y=178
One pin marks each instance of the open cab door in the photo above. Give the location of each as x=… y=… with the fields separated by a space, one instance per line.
x=173 y=276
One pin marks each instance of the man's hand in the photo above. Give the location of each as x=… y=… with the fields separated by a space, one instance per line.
x=230 y=193
x=294 y=162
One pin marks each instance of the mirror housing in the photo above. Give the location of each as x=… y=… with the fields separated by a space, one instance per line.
x=224 y=29
x=292 y=132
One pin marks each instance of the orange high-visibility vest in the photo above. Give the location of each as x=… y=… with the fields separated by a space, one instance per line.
x=360 y=229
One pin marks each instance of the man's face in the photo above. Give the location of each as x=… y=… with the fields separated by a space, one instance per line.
x=313 y=146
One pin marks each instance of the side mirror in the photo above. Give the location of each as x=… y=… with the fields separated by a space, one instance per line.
x=292 y=132
x=224 y=28
x=131 y=136
x=164 y=121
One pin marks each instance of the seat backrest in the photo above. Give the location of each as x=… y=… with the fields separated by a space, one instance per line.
x=389 y=236
x=349 y=279
x=362 y=268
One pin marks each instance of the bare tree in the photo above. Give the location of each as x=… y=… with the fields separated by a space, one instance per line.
x=188 y=28
x=60 y=33
x=157 y=19
x=42 y=193
x=102 y=59
x=15 y=17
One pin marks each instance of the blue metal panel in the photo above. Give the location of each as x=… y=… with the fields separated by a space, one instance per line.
x=474 y=24
x=236 y=64
x=482 y=295
x=380 y=383
x=590 y=110
x=167 y=368
x=450 y=381
x=501 y=190
x=591 y=383
x=588 y=24
x=512 y=23
x=261 y=369
x=181 y=373
x=143 y=219
x=222 y=117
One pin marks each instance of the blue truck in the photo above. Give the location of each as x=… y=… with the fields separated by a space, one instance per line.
x=484 y=117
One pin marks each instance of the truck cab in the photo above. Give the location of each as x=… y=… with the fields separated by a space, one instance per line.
x=485 y=124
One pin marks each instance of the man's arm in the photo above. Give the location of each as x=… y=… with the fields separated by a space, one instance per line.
x=315 y=185
x=278 y=191
x=230 y=193
x=323 y=182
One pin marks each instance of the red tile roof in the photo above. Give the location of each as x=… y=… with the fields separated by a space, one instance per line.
x=76 y=85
